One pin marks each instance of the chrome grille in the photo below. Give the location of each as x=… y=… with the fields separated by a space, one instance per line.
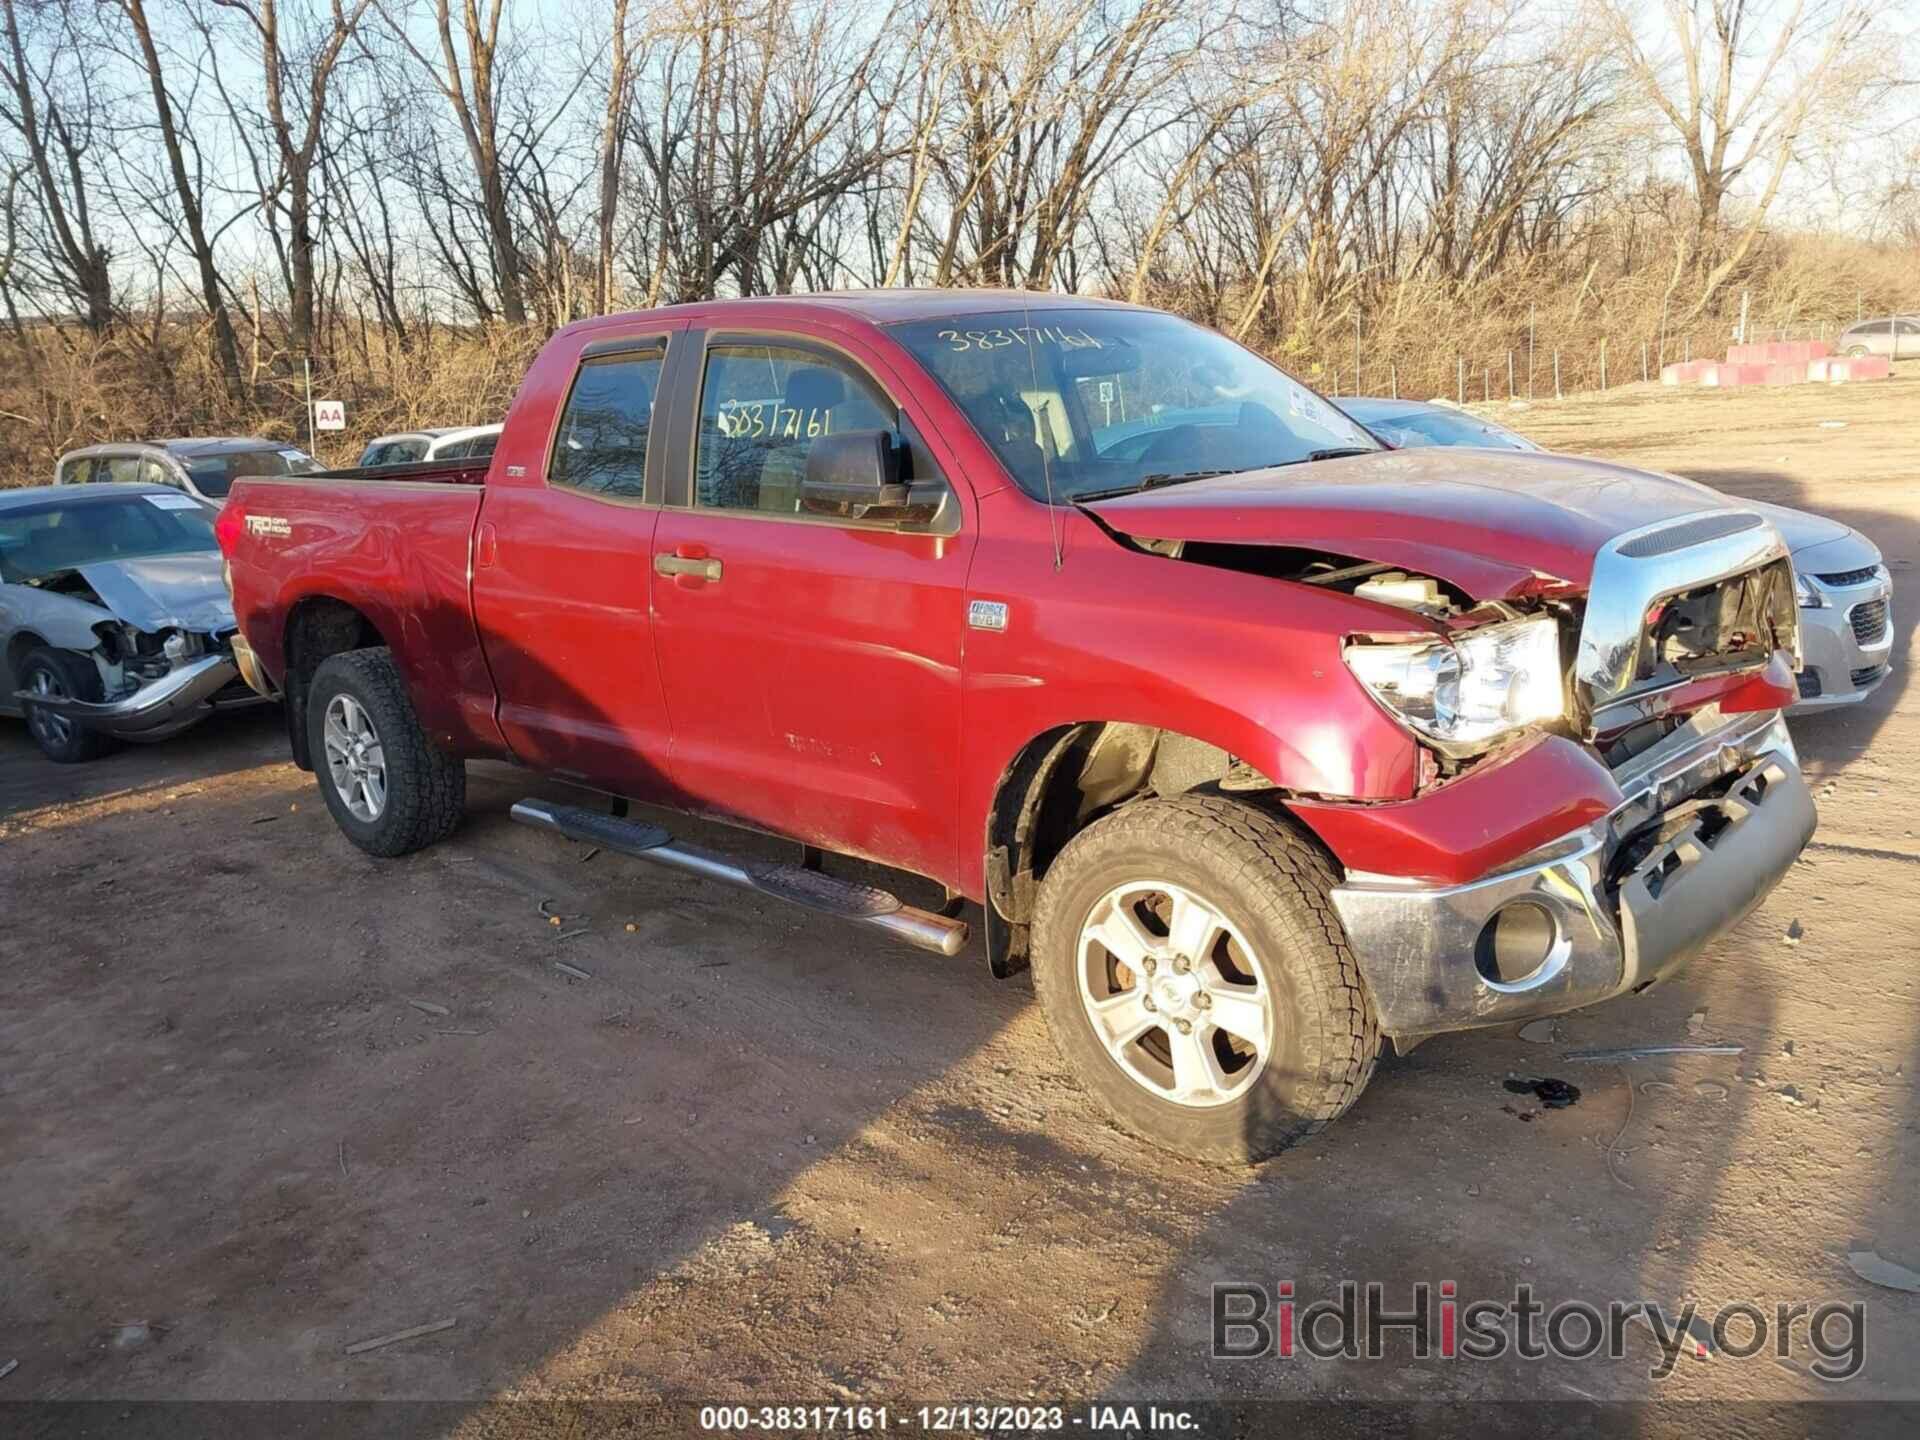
x=1869 y=621
x=1849 y=577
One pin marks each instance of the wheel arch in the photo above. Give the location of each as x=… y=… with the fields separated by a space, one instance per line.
x=318 y=626
x=1070 y=775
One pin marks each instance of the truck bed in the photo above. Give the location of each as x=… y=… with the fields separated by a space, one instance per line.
x=431 y=472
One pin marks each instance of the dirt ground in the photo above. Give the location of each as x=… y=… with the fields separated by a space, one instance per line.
x=263 y=1097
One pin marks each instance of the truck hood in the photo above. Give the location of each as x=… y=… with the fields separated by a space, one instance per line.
x=1498 y=524
x=163 y=591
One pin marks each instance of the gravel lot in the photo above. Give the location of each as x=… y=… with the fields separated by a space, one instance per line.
x=264 y=1097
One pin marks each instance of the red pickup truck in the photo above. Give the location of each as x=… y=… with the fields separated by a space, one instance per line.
x=1257 y=739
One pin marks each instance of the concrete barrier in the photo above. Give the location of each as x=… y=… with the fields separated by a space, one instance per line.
x=1839 y=369
x=1779 y=352
x=1684 y=372
x=1722 y=375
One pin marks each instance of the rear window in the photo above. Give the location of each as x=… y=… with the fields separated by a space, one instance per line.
x=213 y=475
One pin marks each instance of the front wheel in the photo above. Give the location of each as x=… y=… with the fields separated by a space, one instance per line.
x=388 y=786
x=1858 y=352
x=1190 y=964
x=62 y=675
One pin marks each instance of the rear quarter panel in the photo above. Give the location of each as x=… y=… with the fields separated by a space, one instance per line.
x=396 y=551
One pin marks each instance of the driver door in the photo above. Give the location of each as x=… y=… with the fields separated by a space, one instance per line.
x=811 y=664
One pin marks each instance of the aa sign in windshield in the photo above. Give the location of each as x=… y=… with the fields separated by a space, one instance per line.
x=1084 y=402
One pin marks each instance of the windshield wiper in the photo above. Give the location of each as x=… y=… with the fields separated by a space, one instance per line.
x=1155 y=481
x=1340 y=452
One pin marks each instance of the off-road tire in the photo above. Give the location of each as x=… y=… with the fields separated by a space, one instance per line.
x=1272 y=881
x=426 y=787
x=77 y=677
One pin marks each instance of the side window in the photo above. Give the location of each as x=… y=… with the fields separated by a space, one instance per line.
x=602 y=447
x=482 y=447
x=120 y=469
x=152 y=472
x=762 y=408
x=76 y=472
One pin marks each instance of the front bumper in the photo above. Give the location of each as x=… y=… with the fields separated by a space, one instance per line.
x=163 y=707
x=1608 y=911
x=1840 y=667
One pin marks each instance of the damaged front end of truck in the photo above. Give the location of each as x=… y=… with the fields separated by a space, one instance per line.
x=1605 y=782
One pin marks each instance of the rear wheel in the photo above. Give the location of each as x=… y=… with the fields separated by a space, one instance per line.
x=1858 y=351
x=62 y=675
x=1190 y=964
x=388 y=786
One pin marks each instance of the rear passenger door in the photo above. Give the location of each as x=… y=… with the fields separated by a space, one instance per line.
x=561 y=580
x=811 y=663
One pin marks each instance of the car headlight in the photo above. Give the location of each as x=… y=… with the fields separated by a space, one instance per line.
x=1465 y=692
x=1810 y=598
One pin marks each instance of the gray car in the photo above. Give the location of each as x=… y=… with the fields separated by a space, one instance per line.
x=1846 y=594
x=1895 y=336
x=1412 y=424
x=204 y=468
x=115 y=623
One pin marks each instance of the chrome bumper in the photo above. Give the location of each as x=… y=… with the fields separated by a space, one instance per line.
x=154 y=711
x=1423 y=950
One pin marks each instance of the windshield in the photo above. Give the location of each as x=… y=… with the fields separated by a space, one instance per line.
x=41 y=540
x=214 y=474
x=1447 y=427
x=1096 y=401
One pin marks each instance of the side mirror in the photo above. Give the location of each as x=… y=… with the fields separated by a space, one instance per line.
x=857 y=476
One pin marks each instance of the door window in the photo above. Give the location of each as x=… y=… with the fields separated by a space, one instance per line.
x=77 y=472
x=152 y=472
x=602 y=446
x=762 y=409
x=121 y=469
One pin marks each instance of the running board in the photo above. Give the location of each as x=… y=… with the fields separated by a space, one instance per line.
x=864 y=904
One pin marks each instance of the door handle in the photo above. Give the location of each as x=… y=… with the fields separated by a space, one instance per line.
x=486 y=547
x=697 y=567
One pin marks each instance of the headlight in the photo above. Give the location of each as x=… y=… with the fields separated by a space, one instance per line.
x=1466 y=692
x=1810 y=598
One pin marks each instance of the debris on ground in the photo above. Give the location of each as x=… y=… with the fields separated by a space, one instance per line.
x=569 y=934
x=573 y=970
x=1696 y=1022
x=429 y=1007
x=1791 y=1094
x=1794 y=929
x=1869 y=1265
x=1641 y=1052
x=631 y=927
x=1699 y=1335
x=361 y=1347
x=1710 y=1090
x=134 y=1333
x=1554 y=1094
x=1540 y=1032
x=1526 y=1115
x=8 y=1368
x=1833 y=424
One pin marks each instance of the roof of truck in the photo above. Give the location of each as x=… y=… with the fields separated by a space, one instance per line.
x=877 y=307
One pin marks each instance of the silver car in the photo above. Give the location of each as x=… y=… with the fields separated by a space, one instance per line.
x=1895 y=336
x=203 y=468
x=1846 y=594
x=408 y=447
x=114 y=620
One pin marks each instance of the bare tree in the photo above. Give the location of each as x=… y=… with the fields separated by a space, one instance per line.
x=1736 y=81
x=188 y=194
x=296 y=78
x=57 y=132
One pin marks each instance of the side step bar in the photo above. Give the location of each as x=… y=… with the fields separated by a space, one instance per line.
x=864 y=904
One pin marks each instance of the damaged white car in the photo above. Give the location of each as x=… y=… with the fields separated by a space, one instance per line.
x=114 y=621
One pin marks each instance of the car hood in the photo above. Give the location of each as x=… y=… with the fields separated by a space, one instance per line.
x=163 y=591
x=1495 y=523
